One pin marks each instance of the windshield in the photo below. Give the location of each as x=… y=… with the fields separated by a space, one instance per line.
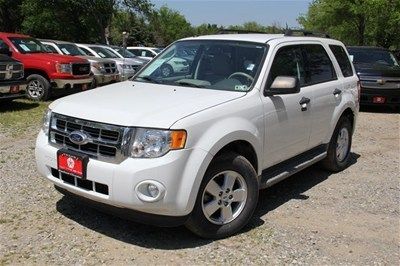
x=28 y=45
x=222 y=65
x=157 y=50
x=370 y=56
x=124 y=52
x=70 y=49
x=103 y=52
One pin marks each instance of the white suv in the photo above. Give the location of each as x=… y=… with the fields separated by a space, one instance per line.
x=195 y=148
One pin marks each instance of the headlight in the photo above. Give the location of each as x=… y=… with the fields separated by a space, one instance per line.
x=126 y=66
x=46 y=121
x=64 y=68
x=153 y=143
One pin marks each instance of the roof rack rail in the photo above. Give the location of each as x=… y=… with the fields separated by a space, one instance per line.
x=291 y=32
x=233 y=31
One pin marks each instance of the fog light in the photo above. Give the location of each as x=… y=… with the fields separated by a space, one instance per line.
x=153 y=190
x=150 y=191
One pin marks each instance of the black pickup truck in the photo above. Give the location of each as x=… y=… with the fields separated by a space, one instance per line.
x=379 y=73
x=11 y=78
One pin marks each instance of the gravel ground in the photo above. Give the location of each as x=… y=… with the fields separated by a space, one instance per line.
x=314 y=217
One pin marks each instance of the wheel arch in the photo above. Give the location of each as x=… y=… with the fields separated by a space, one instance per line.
x=31 y=71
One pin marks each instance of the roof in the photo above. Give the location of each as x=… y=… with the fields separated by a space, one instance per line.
x=257 y=37
x=54 y=41
x=14 y=34
x=367 y=48
x=253 y=37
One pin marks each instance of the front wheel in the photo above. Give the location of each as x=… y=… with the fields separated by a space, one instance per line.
x=338 y=157
x=37 y=88
x=227 y=198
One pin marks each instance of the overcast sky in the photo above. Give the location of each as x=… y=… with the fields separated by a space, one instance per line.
x=231 y=12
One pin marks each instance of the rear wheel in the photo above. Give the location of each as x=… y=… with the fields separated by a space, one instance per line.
x=338 y=157
x=37 y=88
x=227 y=198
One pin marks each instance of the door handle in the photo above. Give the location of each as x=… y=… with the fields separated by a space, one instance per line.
x=337 y=92
x=303 y=102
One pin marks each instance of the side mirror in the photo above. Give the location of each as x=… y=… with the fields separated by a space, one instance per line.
x=283 y=85
x=6 y=51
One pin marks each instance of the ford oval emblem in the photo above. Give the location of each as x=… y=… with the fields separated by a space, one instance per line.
x=78 y=137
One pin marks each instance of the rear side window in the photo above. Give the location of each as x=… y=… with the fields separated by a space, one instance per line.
x=319 y=66
x=288 y=61
x=343 y=60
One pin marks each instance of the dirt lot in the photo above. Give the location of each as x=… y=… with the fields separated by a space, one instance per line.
x=314 y=217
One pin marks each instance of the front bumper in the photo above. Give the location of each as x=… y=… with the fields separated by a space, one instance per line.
x=6 y=92
x=180 y=172
x=391 y=96
x=102 y=79
x=71 y=83
x=127 y=74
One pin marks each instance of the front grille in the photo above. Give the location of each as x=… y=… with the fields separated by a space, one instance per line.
x=80 y=183
x=11 y=71
x=80 y=69
x=110 y=68
x=104 y=141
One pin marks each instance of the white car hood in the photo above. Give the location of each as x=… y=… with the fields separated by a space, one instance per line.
x=140 y=104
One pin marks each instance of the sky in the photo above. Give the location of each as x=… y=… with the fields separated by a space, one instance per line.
x=233 y=12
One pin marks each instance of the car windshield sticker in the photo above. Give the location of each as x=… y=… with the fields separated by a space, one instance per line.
x=24 y=47
x=250 y=67
x=65 y=51
x=241 y=88
x=351 y=57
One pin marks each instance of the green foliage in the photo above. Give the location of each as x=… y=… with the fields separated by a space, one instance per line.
x=356 y=22
x=169 y=25
x=10 y=15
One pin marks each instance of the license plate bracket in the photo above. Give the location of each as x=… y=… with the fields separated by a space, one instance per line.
x=73 y=163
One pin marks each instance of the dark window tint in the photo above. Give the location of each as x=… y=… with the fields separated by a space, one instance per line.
x=50 y=48
x=319 y=66
x=135 y=52
x=86 y=51
x=288 y=62
x=343 y=60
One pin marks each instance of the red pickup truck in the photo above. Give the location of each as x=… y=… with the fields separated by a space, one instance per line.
x=47 y=73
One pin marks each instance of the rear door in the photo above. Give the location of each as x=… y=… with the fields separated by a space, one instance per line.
x=323 y=81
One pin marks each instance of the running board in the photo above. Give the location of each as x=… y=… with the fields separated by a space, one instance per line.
x=281 y=171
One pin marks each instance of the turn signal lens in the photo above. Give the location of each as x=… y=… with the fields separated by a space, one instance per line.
x=178 y=139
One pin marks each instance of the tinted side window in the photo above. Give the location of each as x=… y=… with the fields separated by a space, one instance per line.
x=342 y=59
x=86 y=51
x=319 y=66
x=288 y=62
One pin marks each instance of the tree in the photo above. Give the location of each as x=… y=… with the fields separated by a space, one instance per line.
x=361 y=22
x=10 y=15
x=169 y=25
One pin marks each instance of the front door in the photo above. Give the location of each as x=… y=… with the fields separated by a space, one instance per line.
x=287 y=116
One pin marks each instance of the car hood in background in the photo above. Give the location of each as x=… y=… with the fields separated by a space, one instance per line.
x=127 y=61
x=93 y=59
x=141 y=104
x=376 y=70
x=54 y=57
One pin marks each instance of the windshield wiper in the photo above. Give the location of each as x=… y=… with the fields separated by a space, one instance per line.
x=148 y=78
x=185 y=83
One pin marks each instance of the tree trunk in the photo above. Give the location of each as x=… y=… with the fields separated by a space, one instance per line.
x=361 y=30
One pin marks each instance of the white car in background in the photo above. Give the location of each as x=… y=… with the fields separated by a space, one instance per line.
x=127 y=67
x=144 y=52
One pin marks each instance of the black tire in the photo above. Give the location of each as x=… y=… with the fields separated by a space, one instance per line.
x=332 y=162
x=37 y=88
x=93 y=85
x=199 y=224
x=166 y=71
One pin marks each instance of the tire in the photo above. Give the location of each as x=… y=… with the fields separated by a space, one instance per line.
x=37 y=88
x=341 y=140
x=166 y=71
x=245 y=186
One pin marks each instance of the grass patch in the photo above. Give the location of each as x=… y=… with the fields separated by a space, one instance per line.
x=19 y=115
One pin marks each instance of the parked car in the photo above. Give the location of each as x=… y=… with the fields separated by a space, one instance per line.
x=144 y=52
x=124 y=53
x=397 y=54
x=11 y=76
x=379 y=73
x=47 y=73
x=127 y=67
x=195 y=149
x=105 y=71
